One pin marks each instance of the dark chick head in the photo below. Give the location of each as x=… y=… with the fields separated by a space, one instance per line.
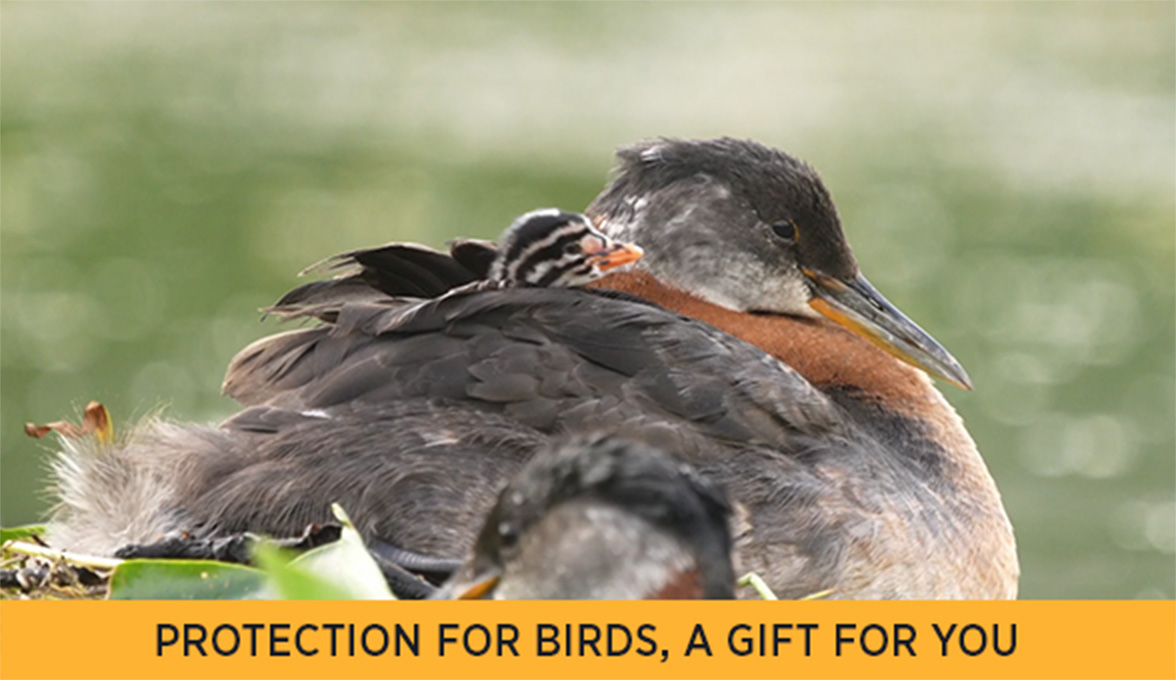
x=554 y=248
x=753 y=229
x=601 y=518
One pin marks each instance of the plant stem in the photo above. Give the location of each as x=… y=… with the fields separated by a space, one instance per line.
x=74 y=558
x=753 y=579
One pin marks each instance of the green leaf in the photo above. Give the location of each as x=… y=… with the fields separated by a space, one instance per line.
x=343 y=570
x=14 y=533
x=186 y=580
x=289 y=581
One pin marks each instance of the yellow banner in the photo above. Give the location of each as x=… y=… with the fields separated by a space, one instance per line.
x=170 y=639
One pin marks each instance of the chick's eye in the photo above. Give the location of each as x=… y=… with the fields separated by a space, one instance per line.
x=572 y=249
x=785 y=229
x=508 y=535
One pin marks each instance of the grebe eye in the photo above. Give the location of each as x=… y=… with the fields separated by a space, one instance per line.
x=572 y=248
x=785 y=230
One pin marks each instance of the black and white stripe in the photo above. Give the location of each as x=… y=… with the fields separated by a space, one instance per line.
x=535 y=250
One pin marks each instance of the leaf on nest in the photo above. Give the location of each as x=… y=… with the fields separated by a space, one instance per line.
x=185 y=580
x=342 y=570
x=16 y=533
x=95 y=420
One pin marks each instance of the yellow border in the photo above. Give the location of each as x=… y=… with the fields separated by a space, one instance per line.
x=1054 y=639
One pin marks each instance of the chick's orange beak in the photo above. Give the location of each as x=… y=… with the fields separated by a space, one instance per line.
x=616 y=255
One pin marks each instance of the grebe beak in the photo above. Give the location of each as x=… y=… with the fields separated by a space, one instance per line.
x=859 y=306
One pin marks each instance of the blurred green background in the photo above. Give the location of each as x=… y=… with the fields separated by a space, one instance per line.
x=1006 y=173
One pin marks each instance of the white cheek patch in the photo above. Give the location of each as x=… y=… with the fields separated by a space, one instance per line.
x=623 y=223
